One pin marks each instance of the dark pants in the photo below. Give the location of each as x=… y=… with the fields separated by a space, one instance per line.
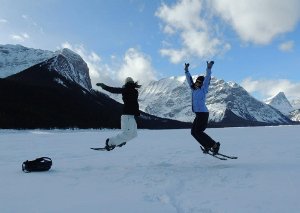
x=197 y=131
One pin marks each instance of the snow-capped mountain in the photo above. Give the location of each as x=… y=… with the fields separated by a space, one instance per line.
x=16 y=58
x=295 y=103
x=71 y=66
x=281 y=103
x=227 y=102
x=39 y=97
x=295 y=115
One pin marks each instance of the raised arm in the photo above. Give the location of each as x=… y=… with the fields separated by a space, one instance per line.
x=188 y=75
x=207 y=78
x=115 y=90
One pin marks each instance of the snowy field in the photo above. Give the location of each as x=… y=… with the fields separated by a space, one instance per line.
x=160 y=171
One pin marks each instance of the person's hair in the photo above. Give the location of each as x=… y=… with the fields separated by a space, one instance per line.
x=201 y=79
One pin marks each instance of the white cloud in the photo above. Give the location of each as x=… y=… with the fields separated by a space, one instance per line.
x=3 y=21
x=134 y=64
x=175 y=56
x=20 y=37
x=201 y=44
x=183 y=15
x=287 y=46
x=25 y=16
x=17 y=38
x=66 y=45
x=25 y=35
x=268 y=88
x=199 y=28
x=188 y=20
x=259 y=21
x=94 y=57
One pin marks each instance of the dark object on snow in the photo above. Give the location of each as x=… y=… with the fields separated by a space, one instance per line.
x=217 y=155
x=37 y=165
x=107 y=147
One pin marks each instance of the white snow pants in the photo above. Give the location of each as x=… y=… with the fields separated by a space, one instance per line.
x=129 y=130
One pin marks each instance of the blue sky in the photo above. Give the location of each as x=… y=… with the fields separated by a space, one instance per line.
x=253 y=42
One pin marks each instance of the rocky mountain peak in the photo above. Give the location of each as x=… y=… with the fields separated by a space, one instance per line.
x=70 y=65
x=280 y=102
x=16 y=58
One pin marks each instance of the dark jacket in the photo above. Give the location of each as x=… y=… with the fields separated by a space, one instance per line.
x=129 y=96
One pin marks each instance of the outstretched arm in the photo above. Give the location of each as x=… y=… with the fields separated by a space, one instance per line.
x=116 y=90
x=188 y=75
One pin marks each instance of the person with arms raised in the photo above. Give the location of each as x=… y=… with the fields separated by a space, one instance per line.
x=199 y=90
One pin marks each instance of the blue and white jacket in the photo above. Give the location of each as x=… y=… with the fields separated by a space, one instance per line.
x=199 y=94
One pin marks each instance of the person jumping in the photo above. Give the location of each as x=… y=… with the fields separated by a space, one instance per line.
x=130 y=110
x=199 y=91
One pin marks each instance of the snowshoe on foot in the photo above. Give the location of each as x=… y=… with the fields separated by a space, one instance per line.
x=215 y=149
x=122 y=144
x=109 y=147
x=205 y=150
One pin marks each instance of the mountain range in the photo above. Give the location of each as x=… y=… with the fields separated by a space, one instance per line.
x=53 y=90
x=57 y=93
x=229 y=104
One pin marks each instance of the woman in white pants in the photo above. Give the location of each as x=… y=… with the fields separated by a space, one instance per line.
x=130 y=110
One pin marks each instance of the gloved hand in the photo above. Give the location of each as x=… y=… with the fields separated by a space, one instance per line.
x=209 y=64
x=186 y=67
x=100 y=85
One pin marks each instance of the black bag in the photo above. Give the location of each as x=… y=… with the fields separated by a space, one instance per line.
x=37 y=165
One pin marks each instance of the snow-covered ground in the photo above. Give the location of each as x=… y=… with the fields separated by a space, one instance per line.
x=160 y=171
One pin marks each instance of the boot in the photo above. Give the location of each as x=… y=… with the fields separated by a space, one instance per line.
x=215 y=149
x=109 y=147
x=205 y=150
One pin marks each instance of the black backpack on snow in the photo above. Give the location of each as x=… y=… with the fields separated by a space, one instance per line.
x=37 y=165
